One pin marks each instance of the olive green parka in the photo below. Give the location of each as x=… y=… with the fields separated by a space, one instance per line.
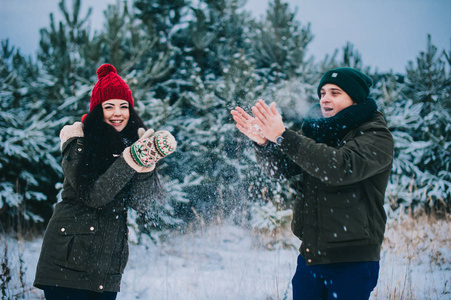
x=86 y=243
x=338 y=213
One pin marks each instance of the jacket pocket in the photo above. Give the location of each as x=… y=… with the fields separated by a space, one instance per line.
x=74 y=243
x=343 y=215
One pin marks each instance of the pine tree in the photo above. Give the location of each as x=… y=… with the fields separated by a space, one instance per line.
x=61 y=46
x=349 y=57
x=279 y=43
x=219 y=31
x=29 y=170
x=419 y=120
x=160 y=17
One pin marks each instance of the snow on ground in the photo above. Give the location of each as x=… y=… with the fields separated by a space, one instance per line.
x=229 y=262
x=222 y=262
x=415 y=260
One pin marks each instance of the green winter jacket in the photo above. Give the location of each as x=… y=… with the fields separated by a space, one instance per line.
x=85 y=245
x=338 y=213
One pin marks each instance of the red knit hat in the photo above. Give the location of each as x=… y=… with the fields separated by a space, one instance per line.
x=109 y=86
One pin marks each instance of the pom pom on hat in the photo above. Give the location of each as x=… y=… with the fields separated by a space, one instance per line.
x=353 y=82
x=109 y=86
x=105 y=69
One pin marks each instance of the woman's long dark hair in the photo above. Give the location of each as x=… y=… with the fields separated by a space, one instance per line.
x=102 y=144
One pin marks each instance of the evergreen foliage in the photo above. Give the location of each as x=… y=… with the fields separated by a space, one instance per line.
x=419 y=118
x=188 y=65
x=279 y=42
x=28 y=143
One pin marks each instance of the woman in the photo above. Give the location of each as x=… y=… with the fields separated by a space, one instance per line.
x=343 y=157
x=109 y=166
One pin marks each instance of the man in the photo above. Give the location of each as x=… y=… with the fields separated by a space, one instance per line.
x=343 y=156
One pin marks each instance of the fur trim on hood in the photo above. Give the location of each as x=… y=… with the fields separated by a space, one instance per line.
x=70 y=131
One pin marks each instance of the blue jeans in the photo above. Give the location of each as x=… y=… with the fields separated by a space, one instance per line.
x=350 y=280
x=62 y=293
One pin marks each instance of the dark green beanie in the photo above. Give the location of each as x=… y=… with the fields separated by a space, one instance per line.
x=354 y=83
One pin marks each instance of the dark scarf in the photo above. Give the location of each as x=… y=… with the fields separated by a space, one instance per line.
x=102 y=146
x=331 y=131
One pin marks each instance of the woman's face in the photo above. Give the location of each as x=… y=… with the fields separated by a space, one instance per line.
x=116 y=113
x=333 y=100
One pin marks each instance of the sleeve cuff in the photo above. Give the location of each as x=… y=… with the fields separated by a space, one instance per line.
x=291 y=142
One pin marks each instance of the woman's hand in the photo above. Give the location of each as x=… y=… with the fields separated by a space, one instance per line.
x=246 y=124
x=144 y=154
x=268 y=119
x=148 y=150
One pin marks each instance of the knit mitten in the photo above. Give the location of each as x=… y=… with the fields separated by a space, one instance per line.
x=142 y=133
x=147 y=151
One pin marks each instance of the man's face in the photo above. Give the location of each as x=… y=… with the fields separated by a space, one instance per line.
x=333 y=100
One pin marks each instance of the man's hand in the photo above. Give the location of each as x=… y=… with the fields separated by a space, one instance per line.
x=268 y=119
x=246 y=124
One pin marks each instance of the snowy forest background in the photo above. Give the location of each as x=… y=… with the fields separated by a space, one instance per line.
x=188 y=66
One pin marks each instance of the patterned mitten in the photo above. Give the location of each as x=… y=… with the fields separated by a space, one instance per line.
x=147 y=151
x=142 y=133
